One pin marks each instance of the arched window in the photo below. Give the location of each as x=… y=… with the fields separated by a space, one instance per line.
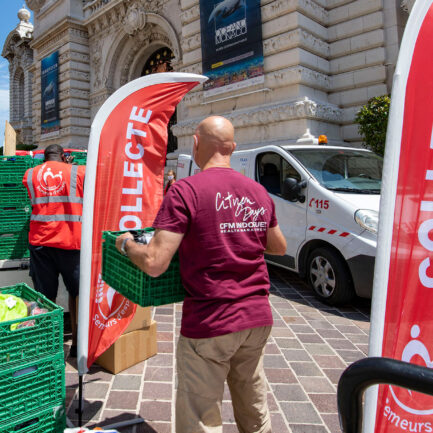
x=160 y=61
x=18 y=96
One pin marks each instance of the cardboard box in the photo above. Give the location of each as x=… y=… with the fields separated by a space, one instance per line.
x=129 y=349
x=142 y=319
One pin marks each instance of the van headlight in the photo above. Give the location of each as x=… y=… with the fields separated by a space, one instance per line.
x=367 y=219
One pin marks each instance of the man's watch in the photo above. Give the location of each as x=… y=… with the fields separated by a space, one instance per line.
x=122 y=247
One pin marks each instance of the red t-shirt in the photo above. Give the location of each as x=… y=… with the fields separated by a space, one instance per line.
x=224 y=217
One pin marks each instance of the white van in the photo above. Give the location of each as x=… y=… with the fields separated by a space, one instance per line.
x=327 y=204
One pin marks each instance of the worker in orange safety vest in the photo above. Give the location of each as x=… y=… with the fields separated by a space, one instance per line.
x=56 y=191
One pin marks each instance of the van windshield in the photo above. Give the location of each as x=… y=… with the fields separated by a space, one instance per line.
x=343 y=170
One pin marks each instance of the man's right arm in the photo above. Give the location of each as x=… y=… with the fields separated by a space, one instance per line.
x=276 y=242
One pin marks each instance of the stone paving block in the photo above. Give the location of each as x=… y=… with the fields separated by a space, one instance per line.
x=330 y=333
x=162 y=318
x=126 y=382
x=359 y=339
x=165 y=347
x=282 y=332
x=279 y=324
x=363 y=348
x=289 y=313
x=272 y=403
x=310 y=338
x=318 y=324
x=288 y=343
x=298 y=413
x=157 y=391
x=160 y=374
x=325 y=403
x=152 y=427
x=274 y=361
x=122 y=400
x=95 y=390
x=230 y=428
x=280 y=375
x=308 y=428
x=351 y=355
x=349 y=329
x=341 y=343
x=301 y=329
x=71 y=379
x=165 y=327
x=70 y=395
x=278 y=424
x=161 y=360
x=332 y=422
x=227 y=412
x=318 y=349
x=294 y=320
x=111 y=416
x=305 y=369
x=316 y=384
x=333 y=374
x=134 y=369
x=326 y=361
x=164 y=310
x=91 y=410
x=155 y=410
x=296 y=355
x=272 y=349
x=289 y=392
x=164 y=336
x=98 y=374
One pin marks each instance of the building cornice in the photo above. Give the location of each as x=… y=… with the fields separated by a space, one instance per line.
x=265 y=115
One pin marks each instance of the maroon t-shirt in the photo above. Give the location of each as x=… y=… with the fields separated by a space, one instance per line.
x=224 y=216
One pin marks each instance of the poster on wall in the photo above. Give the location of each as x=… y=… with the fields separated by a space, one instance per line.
x=231 y=44
x=50 y=116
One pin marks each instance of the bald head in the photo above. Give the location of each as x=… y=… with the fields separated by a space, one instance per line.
x=214 y=142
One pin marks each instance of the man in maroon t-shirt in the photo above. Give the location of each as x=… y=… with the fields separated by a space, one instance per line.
x=223 y=223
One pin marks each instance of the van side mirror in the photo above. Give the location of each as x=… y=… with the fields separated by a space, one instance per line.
x=292 y=189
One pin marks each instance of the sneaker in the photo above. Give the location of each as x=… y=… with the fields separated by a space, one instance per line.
x=73 y=352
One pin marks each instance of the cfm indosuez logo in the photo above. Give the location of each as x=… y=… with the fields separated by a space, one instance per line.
x=50 y=182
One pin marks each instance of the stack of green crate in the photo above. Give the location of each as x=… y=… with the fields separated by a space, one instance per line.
x=15 y=207
x=32 y=368
x=80 y=158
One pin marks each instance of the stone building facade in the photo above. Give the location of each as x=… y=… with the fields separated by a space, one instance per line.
x=323 y=60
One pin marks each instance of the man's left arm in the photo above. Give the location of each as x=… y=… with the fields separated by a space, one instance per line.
x=154 y=258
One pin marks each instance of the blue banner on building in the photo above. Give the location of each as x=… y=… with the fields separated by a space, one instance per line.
x=231 y=44
x=50 y=113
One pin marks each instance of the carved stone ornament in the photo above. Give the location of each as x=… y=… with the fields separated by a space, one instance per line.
x=407 y=5
x=135 y=19
x=35 y=5
x=302 y=109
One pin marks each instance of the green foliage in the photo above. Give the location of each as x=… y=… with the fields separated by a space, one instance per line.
x=372 y=120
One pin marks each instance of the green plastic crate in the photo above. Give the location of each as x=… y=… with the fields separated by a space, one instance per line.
x=122 y=275
x=13 y=194
x=43 y=339
x=14 y=245
x=33 y=385
x=15 y=218
x=81 y=155
x=12 y=168
x=47 y=420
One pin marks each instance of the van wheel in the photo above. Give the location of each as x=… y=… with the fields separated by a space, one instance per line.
x=329 y=277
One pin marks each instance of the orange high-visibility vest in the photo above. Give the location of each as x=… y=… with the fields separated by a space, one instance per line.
x=56 y=193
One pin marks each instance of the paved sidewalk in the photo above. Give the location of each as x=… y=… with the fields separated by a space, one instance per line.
x=310 y=346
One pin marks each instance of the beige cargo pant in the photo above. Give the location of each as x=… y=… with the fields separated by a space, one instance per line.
x=204 y=364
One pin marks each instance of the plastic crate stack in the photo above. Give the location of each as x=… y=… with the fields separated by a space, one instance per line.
x=80 y=158
x=15 y=207
x=32 y=368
